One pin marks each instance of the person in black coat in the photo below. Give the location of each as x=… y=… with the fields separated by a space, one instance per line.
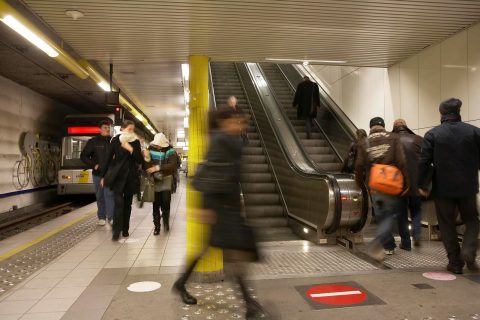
x=120 y=173
x=93 y=155
x=349 y=161
x=454 y=150
x=223 y=206
x=307 y=100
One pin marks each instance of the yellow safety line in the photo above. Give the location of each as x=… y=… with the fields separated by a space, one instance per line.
x=45 y=236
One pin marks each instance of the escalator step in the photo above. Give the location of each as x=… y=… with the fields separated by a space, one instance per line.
x=254 y=168
x=261 y=199
x=331 y=167
x=258 y=188
x=268 y=222
x=257 y=177
x=254 y=159
x=318 y=150
x=314 y=143
x=324 y=158
x=252 y=151
x=264 y=211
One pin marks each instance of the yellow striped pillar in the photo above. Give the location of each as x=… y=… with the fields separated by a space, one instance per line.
x=210 y=267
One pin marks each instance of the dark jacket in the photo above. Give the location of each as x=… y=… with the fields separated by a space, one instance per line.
x=95 y=153
x=412 y=145
x=306 y=94
x=127 y=180
x=351 y=158
x=383 y=148
x=454 y=150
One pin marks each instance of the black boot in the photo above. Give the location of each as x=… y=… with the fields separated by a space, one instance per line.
x=254 y=309
x=156 y=231
x=179 y=285
x=115 y=236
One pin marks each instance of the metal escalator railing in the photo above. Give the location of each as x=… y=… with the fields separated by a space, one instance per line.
x=212 y=104
x=313 y=200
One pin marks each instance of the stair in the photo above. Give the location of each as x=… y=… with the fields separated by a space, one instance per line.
x=264 y=210
x=317 y=147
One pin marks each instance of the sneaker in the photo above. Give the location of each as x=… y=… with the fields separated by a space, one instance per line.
x=125 y=234
x=101 y=222
x=389 y=252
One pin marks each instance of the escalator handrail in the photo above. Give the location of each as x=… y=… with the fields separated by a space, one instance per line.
x=210 y=85
x=315 y=120
x=332 y=183
x=339 y=114
x=287 y=212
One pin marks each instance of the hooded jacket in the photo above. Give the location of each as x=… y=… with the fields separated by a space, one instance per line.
x=383 y=148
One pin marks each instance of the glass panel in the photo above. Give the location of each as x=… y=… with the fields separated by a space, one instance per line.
x=71 y=149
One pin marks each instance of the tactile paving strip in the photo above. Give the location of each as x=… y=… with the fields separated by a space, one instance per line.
x=215 y=301
x=430 y=255
x=313 y=261
x=18 y=267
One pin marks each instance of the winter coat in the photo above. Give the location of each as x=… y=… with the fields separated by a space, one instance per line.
x=230 y=230
x=351 y=158
x=454 y=150
x=383 y=148
x=412 y=146
x=166 y=160
x=127 y=180
x=95 y=153
x=306 y=94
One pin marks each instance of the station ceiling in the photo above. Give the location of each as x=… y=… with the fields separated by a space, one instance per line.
x=147 y=40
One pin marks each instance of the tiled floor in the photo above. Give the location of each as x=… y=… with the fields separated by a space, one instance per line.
x=81 y=283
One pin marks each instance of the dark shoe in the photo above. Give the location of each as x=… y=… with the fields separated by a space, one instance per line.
x=156 y=232
x=471 y=263
x=455 y=269
x=187 y=298
x=115 y=237
x=254 y=310
x=405 y=248
x=166 y=226
x=417 y=243
x=125 y=234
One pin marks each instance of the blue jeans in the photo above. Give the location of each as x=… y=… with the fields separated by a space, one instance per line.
x=386 y=210
x=105 y=200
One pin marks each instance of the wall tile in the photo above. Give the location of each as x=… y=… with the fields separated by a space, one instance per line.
x=474 y=72
x=392 y=94
x=409 y=91
x=454 y=70
x=371 y=96
x=429 y=86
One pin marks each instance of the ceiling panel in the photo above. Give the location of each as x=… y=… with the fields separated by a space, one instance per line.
x=147 y=40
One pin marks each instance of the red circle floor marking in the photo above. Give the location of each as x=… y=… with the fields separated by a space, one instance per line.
x=336 y=294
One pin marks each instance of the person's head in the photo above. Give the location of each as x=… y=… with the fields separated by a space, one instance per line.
x=128 y=126
x=105 y=127
x=361 y=134
x=450 y=106
x=232 y=102
x=160 y=140
x=377 y=122
x=399 y=123
x=227 y=120
x=306 y=78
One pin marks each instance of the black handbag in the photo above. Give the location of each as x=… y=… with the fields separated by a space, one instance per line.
x=215 y=177
x=113 y=172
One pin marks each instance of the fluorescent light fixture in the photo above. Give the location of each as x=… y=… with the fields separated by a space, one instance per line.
x=187 y=112
x=187 y=96
x=29 y=35
x=140 y=117
x=185 y=71
x=181 y=134
x=185 y=122
x=305 y=230
x=303 y=61
x=181 y=144
x=104 y=85
x=306 y=63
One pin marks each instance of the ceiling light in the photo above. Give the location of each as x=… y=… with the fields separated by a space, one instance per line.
x=185 y=122
x=185 y=71
x=104 y=85
x=74 y=14
x=29 y=35
x=140 y=117
x=306 y=61
x=187 y=96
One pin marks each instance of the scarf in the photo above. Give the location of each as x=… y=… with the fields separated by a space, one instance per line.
x=454 y=117
x=127 y=137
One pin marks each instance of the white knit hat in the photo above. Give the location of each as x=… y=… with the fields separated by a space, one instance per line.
x=160 y=140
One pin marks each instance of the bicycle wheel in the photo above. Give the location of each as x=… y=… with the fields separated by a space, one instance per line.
x=36 y=171
x=20 y=175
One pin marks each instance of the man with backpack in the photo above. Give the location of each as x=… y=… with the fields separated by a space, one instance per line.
x=382 y=164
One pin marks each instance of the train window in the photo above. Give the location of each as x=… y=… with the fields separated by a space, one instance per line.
x=71 y=149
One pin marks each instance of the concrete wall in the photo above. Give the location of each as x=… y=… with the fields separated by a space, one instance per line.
x=23 y=110
x=411 y=89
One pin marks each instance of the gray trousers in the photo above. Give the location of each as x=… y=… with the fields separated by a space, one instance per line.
x=447 y=215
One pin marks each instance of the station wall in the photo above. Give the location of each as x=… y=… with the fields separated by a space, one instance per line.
x=411 y=89
x=24 y=110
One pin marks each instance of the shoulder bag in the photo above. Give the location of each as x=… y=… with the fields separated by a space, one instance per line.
x=215 y=177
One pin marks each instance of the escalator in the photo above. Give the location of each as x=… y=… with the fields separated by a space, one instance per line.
x=264 y=210
x=287 y=182
x=318 y=148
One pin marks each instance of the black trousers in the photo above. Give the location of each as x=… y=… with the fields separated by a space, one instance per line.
x=447 y=215
x=162 y=201
x=123 y=210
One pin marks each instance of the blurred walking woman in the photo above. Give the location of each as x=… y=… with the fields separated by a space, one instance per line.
x=161 y=162
x=120 y=173
x=218 y=179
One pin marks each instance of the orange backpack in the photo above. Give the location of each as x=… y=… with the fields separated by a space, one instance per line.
x=384 y=178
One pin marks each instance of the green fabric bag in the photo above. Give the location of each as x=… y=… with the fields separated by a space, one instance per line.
x=148 y=194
